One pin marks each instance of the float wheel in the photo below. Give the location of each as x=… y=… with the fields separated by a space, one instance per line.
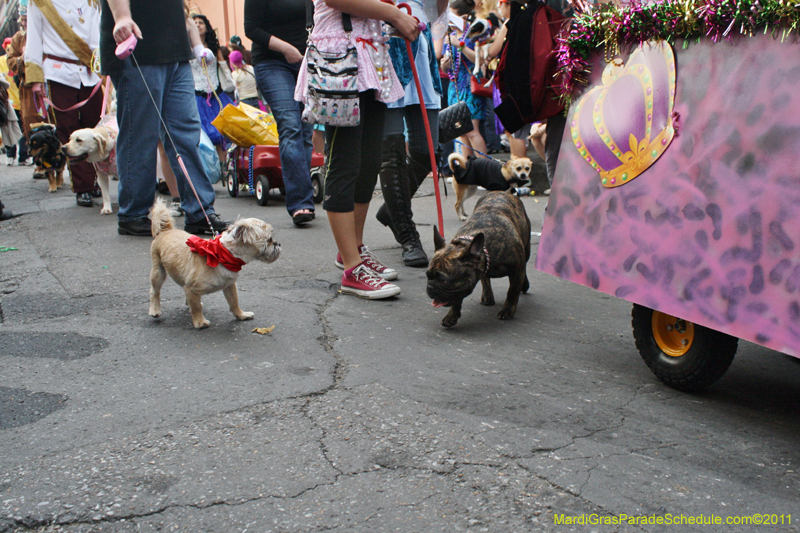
x=684 y=355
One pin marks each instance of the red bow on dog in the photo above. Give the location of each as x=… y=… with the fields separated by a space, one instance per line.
x=216 y=254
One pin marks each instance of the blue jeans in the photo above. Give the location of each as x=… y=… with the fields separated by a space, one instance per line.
x=172 y=87
x=276 y=81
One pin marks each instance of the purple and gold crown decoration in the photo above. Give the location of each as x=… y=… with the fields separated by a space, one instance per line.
x=623 y=126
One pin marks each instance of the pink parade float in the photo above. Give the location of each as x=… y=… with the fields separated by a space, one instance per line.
x=678 y=180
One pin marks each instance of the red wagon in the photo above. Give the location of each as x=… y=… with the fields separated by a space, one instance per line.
x=259 y=168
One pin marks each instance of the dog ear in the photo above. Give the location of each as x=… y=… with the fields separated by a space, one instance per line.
x=438 y=241
x=475 y=250
x=102 y=142
x=235 y=231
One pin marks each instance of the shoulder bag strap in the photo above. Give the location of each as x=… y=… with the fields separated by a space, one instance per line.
x=309 y=15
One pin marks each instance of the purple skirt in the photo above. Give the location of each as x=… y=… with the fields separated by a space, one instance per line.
x=209 y=109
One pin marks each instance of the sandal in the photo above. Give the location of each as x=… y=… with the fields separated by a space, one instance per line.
x=302 y=216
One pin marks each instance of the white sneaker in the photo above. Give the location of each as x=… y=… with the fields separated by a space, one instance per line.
x=175 y=209
x=364 y=283
x=372 y=263
x=10 y=161
x=28 y=162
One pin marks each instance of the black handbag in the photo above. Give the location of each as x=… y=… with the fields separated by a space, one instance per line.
x=454 y=121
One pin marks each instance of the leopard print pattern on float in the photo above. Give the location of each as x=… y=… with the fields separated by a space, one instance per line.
x=711 y=231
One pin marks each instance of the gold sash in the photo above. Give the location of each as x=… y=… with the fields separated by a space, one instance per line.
x=70 y=38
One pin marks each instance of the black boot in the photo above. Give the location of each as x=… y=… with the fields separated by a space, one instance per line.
x=397 y=201
x=418 y=166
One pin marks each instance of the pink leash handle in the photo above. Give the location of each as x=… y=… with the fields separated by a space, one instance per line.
x=125 y=48
x=431 y=151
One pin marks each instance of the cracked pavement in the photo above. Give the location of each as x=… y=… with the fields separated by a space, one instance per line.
x=351 y=415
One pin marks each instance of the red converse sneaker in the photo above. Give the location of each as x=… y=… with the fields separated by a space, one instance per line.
x=372 y=263
x=364 y=283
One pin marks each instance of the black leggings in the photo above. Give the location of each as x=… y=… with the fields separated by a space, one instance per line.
x=354 y=157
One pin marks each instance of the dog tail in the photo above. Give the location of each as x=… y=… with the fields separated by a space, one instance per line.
x=458 y=165
x=457 y=160
x=161 y=220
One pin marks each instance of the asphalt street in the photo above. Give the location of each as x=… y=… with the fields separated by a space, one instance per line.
x=354 y=415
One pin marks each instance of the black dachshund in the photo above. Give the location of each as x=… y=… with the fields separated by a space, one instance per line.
x=47 y=154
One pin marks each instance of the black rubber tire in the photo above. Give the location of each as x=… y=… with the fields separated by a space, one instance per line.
x=262 y=190
x=232 y=184
x=318 y=187
x=706 y=360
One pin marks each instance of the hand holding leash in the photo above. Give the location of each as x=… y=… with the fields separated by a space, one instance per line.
x=124 y=29
x=405 y=24
x=202 y=53
x=125 y=48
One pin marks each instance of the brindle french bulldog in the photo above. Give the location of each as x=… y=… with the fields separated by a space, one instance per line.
x=495 y=242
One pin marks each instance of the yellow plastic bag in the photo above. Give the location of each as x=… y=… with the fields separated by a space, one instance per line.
x=246 y=126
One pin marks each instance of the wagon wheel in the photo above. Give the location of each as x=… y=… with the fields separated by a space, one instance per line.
x=232 y=180
x=262 y=190
x=683 y=355
x=231 y=176
x=318 y=187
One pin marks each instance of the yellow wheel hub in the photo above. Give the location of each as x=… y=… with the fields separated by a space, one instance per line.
x=673 y=335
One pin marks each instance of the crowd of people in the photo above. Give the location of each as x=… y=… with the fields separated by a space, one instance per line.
x=180 y=67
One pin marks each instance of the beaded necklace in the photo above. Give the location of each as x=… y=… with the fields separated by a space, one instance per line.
x=456 y=55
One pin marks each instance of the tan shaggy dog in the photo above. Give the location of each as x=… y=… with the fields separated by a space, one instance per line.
x=245 y=240
x=490 y=174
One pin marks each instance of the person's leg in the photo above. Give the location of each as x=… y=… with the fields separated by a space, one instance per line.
x=372 y=123
x=11 y=154
x=137 y=141
x=172 y=183
x=476 y=141
x=492 y=137
x=318 y=140
x=417 y=168
x=393 y=174
x=552 y=143
x=183 y=128
x=24 y=154
x=82 y=174
x=344 y=165
x=166 y=170
x=276 y=81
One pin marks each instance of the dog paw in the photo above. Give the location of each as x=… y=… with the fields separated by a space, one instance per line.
x=487 y=301
x=506 y=314
x=106 y=211
x=462 y=218
x=155 y=313
x=202 y=324
x=245 y=315
x=52 y=190
x=450 y=320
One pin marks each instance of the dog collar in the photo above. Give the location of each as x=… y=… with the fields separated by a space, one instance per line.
x=485 y=252
x=215 y=253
